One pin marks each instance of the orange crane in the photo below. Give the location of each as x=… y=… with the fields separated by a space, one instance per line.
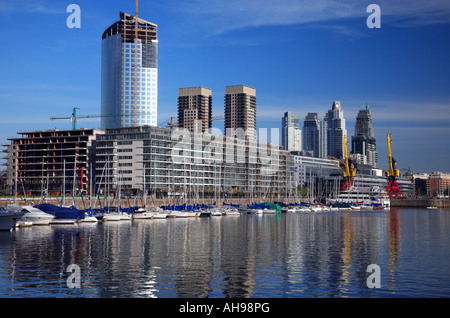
x=392 y=188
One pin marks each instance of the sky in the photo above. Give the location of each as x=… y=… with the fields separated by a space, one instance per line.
x=299 y=55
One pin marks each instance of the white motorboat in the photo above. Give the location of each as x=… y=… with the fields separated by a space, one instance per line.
x=232 y=212
x=88 y=218
x=125 y=216
x=142 y=213
x=216 y=212
x=157 y=212
x=111 y=216
x=32 y=214
x=8 y=219
x=177 y=214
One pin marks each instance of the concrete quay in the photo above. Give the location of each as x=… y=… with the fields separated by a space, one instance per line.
x=420 y=203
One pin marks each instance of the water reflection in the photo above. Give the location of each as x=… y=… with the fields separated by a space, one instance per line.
x=288 y=255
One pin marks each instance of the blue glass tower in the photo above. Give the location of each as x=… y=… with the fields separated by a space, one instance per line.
x=124 y=104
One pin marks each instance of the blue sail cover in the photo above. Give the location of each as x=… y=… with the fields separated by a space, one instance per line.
x=61 y=212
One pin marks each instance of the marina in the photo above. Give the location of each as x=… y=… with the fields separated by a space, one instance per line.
x=281 y=255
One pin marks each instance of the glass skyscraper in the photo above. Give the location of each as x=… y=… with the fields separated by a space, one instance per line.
x=336 y=131
x=118 y=106
x=311 y=134
x=364 y=142
x=291 y=134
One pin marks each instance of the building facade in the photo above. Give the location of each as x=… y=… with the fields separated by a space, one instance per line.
x=240 y=109
x=43 y=163
x=129 y=78
x=174 y=161
x=336 y=131
x=195 y=106
x=439 y=184
x=291 y=134
x=364 y=142
x=311 y=134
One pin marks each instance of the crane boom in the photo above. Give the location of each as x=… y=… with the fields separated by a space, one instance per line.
x=74 y=116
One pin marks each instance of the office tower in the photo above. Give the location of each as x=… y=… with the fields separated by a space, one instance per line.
x=291 y=134
x=363 y=142
x=323 y=137
x=240 y=109
x=195 y=104
x=119 y=108
x=311 y=134
x=336 y=131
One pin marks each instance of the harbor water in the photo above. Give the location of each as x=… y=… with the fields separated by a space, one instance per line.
x=287 y=255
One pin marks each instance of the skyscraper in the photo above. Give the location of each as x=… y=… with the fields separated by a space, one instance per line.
x=119 y=108
x=336 y=131
x=311 y=134
x=240 y=109
x=323 y=137
x=364 y=142
x=195 y=104
x=291 y=134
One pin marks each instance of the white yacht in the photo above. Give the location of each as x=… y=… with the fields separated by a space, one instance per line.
x=8 y=219
x=32 y=214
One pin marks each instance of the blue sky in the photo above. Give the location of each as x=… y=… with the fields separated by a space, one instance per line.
x=299 y=55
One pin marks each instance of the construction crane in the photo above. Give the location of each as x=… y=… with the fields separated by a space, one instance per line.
x=172 y=125
x=135 y=63
x=367 y=106
x=392 y=188
x=74 y=116
x=346 y=166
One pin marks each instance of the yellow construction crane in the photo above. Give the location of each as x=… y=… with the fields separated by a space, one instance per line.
x=392 y=173
x=346 y=166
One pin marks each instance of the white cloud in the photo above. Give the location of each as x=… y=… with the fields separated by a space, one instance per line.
x=33 y=6
x=220 y=16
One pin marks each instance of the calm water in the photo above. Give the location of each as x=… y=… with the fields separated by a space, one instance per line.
x=289 y=255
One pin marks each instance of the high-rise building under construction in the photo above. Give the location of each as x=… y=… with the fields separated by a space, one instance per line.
x=129 y=78
x=364 y=142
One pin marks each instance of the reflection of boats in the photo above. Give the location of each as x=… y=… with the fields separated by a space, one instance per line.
x=32 y=214
x=8 y=219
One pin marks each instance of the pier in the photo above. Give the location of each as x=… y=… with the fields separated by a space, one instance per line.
x=420 y=203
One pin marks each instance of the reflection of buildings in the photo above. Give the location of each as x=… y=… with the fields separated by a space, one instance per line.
x=394 y=244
